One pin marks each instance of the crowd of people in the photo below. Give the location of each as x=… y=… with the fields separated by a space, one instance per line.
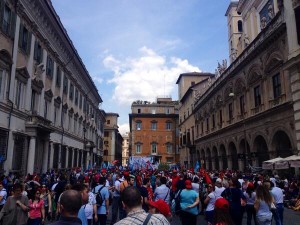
x=98 y=196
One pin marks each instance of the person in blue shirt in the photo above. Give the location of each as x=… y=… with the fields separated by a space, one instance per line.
x=84 y=191
x=189 y=200
x=102 y=210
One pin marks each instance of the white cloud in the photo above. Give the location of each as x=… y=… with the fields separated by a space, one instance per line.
x=97 y=79
x=145 y=77
x=123 y=128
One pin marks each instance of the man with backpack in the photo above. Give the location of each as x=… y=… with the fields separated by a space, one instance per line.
x=102 y=200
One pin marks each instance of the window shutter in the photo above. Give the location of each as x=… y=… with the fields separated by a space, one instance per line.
x=12 y=24
x=28 y=43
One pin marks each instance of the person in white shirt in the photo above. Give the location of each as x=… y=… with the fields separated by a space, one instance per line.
x=277 y=194
x=162 y=192
x=210 y=202
x=3 y=196
x=91 y=208
x=219 y=188
x=116 y=202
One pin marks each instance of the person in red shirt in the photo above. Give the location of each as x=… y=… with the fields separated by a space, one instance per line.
x=37 y=210
x=175 y=179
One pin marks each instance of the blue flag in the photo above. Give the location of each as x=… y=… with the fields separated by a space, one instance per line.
x=197 y=166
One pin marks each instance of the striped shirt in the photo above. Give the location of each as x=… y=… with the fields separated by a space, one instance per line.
x=138 y=217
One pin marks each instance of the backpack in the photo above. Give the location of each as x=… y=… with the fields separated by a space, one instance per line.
x=176 y=208
x=98 y=197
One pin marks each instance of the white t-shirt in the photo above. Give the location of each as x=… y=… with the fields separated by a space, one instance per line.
x=195 y=187
x=218 y=191
x=88 y=208
x=211 y=202
x=277 y=194
x=3 y=193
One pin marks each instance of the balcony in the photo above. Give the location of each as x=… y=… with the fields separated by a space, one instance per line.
x=277 y=101
x=257 y=109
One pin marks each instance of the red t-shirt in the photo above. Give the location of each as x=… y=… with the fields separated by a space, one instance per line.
x=175 y=179
x=36 y=209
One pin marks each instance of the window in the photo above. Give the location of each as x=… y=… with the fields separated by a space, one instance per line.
x=138 y=148
x=213 y=121
x=242 y=105
x=266 y=14
x=168 y=125
x=65 y=85
x=192 y=83
x=38 y=53
x=24 y=39
x=2 y=83
x=108 y=121
x=207 y=124
x=71 y=93
x=106 y=134
x=153 y=111
x=169 y=148
x=49 y=67
x=55 y=115
x=297 y=16
x=240 y=26
x=58 y=77
x=230 y=111
x=46 y=108
x=69 y=122
x=167 y=110
x=257 y=96
x=153 y=125
x=34 y=101
x=202 y=128
x=220 y=118
x=76 y=96
x=8 y=20
x=276 y=86
x=80 y=101
x=139 y=110
x=154 y=148
x=138 y=125
x=19 y=94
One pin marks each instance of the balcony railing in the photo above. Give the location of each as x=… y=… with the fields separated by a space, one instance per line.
x=277 y=101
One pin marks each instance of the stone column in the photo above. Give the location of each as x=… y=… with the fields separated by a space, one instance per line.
x=45 y=157
x=221 y=163
x=67 y=157
x=72 y=154
x=213 y=163
x=31 y=155
x=77 y=163
x=229 y=160
x=241 y=164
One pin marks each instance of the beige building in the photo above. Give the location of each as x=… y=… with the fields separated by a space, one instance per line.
x=112 y=139
x=125 y=149
x=49 y=105
x=190 y=88
x=251 y=112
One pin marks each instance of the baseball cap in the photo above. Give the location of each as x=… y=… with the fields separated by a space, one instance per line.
x=161 y=206
x=188 y=184
x=222 y=203
x=250 y=185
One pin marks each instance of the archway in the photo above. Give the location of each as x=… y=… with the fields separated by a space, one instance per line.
x=281 y=144
x=261 y=149
x=209 y=162
x=198 y=155
x=245 y=154
x=215 y=158
x=233 y=156
x=223 y=157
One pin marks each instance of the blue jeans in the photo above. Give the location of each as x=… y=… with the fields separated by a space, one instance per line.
x=209 y=216
x=264 y=220
x=278 y=214
x=36 y=221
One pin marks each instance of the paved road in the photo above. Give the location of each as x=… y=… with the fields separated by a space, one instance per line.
x=290 y=218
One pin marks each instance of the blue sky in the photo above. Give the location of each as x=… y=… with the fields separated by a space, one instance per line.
x=136 y=49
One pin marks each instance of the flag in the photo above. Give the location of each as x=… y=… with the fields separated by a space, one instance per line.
x=197 y=166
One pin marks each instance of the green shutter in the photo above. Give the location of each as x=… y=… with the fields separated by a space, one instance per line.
x=12 y=25
x=28 y=43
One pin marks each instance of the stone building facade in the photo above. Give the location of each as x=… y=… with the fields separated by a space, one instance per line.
x=190 y=88
x=125 y=149
x=112 y=139
x=251 y=112
x=49 y=105
x=154 y=130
